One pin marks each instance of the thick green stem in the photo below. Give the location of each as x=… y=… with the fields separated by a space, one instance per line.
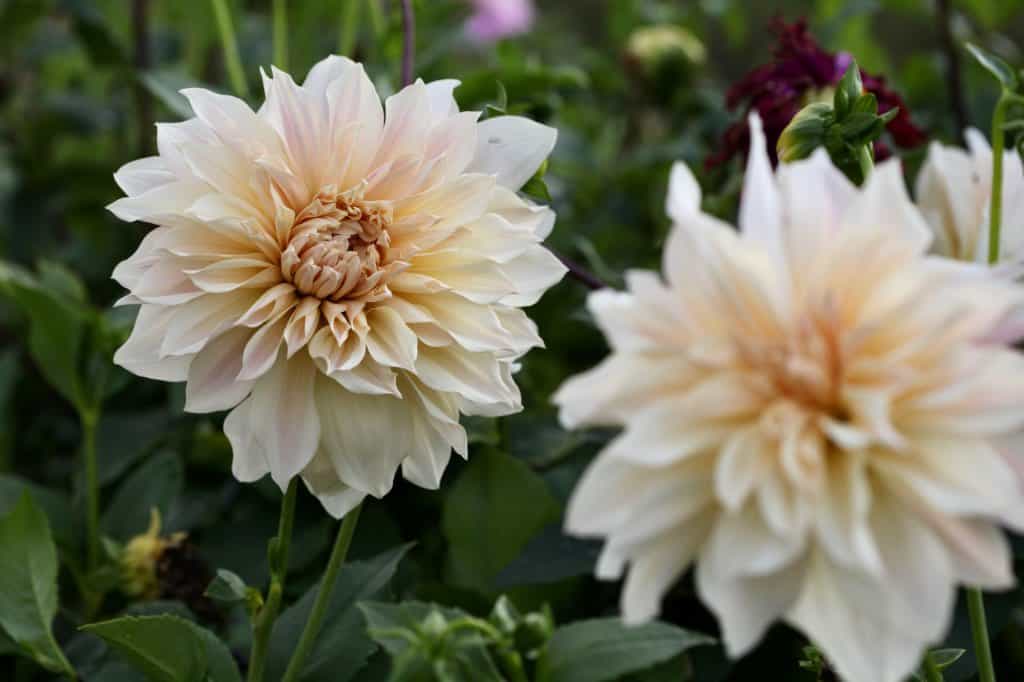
x=931 y=671
x=278 y=560
x=350 y=10
x=979 y=631
x=865 y=161
x=232 y=58
x=281 y=34
x=995 y=217
x=89 y=420
x=323 y=596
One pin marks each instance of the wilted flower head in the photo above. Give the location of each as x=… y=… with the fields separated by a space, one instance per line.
x=801 y=73
x=496 y=19
x=348 y=277
x=811 y=411
x=954 y=192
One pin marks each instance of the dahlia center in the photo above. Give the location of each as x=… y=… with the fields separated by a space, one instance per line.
x=339 y=248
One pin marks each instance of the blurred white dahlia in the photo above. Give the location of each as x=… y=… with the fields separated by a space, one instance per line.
x=813 y=413
x=954 y=192
x=348 y=277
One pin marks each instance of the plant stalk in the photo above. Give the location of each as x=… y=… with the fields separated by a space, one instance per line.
x=931 y=671
x=995 y=217
x=409 y=42
x=232 y=58
x=323 y=596
x=280 y=35
x=979 y=632
x=348 y=30
x=278 y=560
x=866 y=162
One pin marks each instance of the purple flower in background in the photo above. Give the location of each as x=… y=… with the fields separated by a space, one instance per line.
x=802 y=72
x=497 y=19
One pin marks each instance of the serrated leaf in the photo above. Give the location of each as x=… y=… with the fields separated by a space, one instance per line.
x=226 y=587
x=604 y=649
x=342 y=646
x=63 y=524
x=28 y=584
x=996 y=66
x=168 y=648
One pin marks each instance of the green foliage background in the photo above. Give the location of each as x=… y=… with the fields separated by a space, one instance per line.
x=79 y=94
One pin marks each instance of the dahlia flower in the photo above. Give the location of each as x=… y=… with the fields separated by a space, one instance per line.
x=347 y=277
x=954 y=191
x=803 y=72
x=814 y=412
x=496 y=19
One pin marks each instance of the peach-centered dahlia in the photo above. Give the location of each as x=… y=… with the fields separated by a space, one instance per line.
x=348 y=277
x=813 y=410
x=954 y=192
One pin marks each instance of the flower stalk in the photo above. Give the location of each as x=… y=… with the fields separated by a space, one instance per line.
x=89 y=419
x=931 y=670
x=350 y=12
x=280 y=36
x=277 y=555
x=996 y=209
x=232 y=57
x=323 y=596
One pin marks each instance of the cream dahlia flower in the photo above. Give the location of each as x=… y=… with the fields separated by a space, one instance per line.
x=348 y=277
x=811 y=411
x=954 y=192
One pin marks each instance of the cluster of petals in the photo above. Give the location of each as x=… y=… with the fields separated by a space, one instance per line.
x=954 y=192
x=493 y=20
x=818 y=415
x=347 y=277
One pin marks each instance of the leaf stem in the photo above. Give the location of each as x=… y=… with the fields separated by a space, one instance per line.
x=89 y=419
x=323 y=596
x=349 y=24
x=865 y=161
x=931 y=671
x=979 y=631
x=277 y=555
x=232 y=58
x=409 y=42
x=996 y=209
x=280 y=36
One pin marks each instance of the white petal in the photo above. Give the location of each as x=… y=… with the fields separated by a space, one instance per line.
x=683 y=199
x=512 y=148
x=213 y=383
x=323 y=482
x=760 y=208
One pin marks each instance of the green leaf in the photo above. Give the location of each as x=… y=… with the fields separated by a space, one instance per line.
x=946 y=657
x=343 y=646
x=56 y=329
x=996 y=66
x=62 y=521
x=604 y=649
x=157 y=483
x=848 y=91
x=509 y=503
x=28 y=584
x=227 y=587
x=168 y=648
x=549 y=557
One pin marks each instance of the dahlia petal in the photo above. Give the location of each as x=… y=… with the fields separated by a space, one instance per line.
x=390 y=341
x=213 y=383
x=883 y=204
x=760 y=208
x=652 y=574
x=365 y=437
x=512 y=148
x=407 y=122
x=368 y=378
x=248 y=456
x=322 y=481
x=140 y=353
x=192 y=324
x=284 y=423
x=475 y=376
x=683 y=198
x=533 y=273
x=261 y=351
x=429 y=458
x=142 y=175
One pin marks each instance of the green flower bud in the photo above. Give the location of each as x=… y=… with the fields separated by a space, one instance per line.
x=806 y=132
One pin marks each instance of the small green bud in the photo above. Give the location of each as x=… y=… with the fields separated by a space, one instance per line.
x=806 y=132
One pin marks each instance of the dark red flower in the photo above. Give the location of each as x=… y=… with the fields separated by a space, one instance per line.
x=801 y=68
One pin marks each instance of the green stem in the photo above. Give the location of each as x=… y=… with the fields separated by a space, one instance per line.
x=979 y=631
x=277 y=555
x=931 y=671
x=281 y=34
x=349 y=23
x=232 y=58
x=323 y=596
x=376 y=18
x=866 y=162
x=89 y=420
x=995 y=217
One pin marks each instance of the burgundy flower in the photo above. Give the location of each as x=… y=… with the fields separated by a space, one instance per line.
x=800 y=70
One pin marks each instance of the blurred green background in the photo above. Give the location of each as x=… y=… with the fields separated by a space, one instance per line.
x=82 y=83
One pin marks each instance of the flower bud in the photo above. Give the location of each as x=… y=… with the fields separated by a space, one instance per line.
x=140 y=557
x=806 y=132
